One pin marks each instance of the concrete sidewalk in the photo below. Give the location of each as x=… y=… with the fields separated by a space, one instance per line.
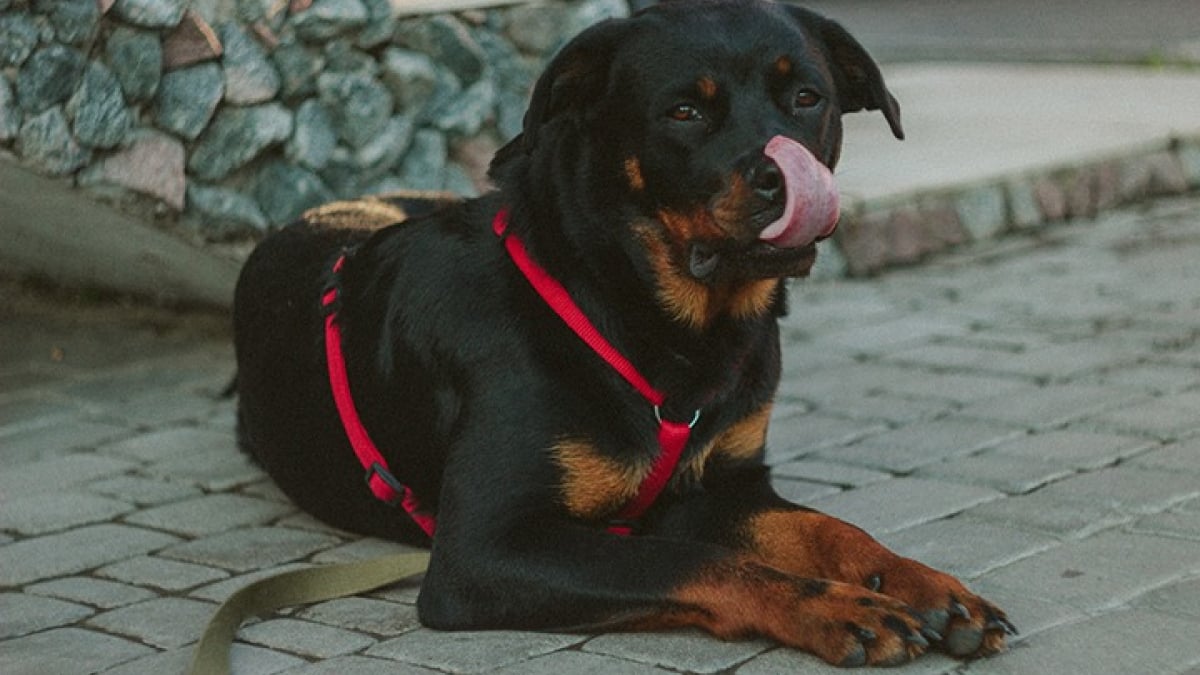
x=1023 y=414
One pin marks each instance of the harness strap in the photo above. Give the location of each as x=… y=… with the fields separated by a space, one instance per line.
x=672 y=436
x=379 y=478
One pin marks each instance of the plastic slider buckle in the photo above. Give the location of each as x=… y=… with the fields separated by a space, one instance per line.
x=398 y=488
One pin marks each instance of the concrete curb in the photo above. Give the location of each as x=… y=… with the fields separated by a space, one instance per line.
x=905 y=229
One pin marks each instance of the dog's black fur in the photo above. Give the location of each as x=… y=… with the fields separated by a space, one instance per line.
x=640 y=183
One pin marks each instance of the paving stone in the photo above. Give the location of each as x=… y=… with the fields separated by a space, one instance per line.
x=250 y=549
x=1183 y=457
x=830 y=473
x=1012 y=475
x=908 y=448
x=67 y=650
x=882 y=407
x=74 y=551
x=94 y=592
x=167 y=575
x=22 y=614
x=793 y=436
x=40 y=514
x=1155 y=643
x=690 y=651
x=162 y=622
x=1101 y=572
x=366 y=615
x=1050 y=406
x=895 y=504
x=470 y=652
x=305 y=638
x=966 y=548
x=358 y=665
x=212 y=469
x=1032 y=614
x=802 y=491
x=1182 y=524
x=796 y=662
x=1047 y=513
x=61 y=472
x=143 y=491
x=580 y=662
x=210 y=514
x=1166 y=418
x=1126 y=488
x=187 y=98
x=1180 y=599
x=169 y=443
x=244 y=659
x=1075 y=448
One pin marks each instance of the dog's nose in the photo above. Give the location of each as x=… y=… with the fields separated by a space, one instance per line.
x=767 y=181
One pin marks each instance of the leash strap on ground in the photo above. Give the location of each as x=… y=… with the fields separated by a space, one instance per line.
x=296 y=587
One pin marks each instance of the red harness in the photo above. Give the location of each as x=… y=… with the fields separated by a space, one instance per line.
x=672 y=436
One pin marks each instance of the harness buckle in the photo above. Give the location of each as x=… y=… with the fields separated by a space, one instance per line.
x=398 y=489
x=690 y=425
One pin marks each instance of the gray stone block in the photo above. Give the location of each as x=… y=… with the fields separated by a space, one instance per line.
x=45 y=144
x=966 y=548
x=910 y=447
x=690 y=651
x=74 y=551
x=1050 y=406
x=365 y=615
x=1129 y=489
x=225 y=213
x=49 y=77
x=94 y=592
x=43 y=513
x=162 y=622
x=1166 y=418
x=1182 y=457
x=151 y=13
x=236 y=136
x=187 y=99
x=305 y=638
x=1102 y=572
x=1012 y=475
x=18 y=37
x=250 y=549
x=359 y=665
x=135 y=57
x=285 y=191
x=1155 y=644
x=467 y=651
x=250 y=77
x=210 y=514
x=1076 y=448
x=73 y=22
x=830 y=473
x=790 y=437
x=983 y=211
x=795 y=662
x=157 y=573
x=142 y=491
x=326 y=19
x=63 y=472
x=22 y=614
x=908 y=502
x=68 y=650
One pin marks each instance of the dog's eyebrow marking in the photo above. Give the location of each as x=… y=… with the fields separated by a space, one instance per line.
x=783 y=65
x=633 y=172
x=707 y=87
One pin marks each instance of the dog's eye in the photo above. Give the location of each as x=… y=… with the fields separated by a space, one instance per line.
x=805 y=98
x=685 y=112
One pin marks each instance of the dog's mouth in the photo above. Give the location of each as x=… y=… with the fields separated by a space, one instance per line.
x=778 y=237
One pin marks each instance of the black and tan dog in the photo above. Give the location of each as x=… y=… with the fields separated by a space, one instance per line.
x=571 y=377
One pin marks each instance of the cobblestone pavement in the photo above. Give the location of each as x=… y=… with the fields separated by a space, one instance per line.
x=1025 y=414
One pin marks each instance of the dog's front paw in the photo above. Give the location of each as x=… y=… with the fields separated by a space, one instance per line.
x=856 y=627
x=967 y=625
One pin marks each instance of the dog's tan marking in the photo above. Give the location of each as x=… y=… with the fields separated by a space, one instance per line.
x=594 y=486
x=707 y=87
x=689 y=301
x=367 y=213
x=743 y=440
x=633 y=173
x=783 y=65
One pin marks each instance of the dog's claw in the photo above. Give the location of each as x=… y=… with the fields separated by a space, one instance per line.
x=960 y=610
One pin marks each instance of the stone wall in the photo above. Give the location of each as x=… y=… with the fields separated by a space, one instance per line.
x=231 y=116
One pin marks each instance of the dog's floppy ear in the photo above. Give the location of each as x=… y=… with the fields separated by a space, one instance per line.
x=575 y=79
x=860 y=83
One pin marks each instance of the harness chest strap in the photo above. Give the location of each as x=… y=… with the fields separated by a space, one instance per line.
x=672 y=436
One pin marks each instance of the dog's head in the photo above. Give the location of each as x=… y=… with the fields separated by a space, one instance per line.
x=709 y=128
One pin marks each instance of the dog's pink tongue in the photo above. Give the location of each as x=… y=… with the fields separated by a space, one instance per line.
x=811 y=212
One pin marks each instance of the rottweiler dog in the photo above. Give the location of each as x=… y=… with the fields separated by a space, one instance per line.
x=571 y=376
